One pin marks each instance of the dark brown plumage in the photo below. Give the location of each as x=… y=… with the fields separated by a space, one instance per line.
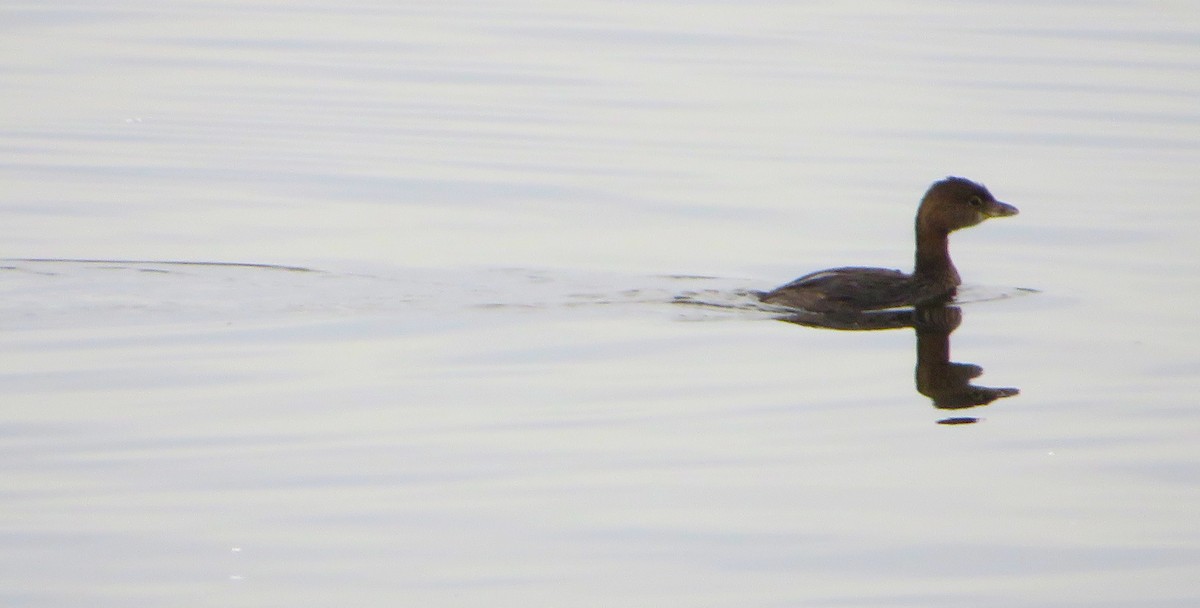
x=948 y=205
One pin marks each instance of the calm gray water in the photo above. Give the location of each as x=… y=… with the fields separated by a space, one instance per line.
x=484 y=392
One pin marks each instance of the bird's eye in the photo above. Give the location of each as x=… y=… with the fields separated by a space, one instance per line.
x=975 y=202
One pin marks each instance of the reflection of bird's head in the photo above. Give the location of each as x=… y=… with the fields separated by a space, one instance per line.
x=971 y=396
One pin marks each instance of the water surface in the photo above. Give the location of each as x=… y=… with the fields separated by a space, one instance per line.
x=483 y=390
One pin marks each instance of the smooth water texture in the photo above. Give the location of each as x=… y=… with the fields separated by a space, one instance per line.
x=480 y=331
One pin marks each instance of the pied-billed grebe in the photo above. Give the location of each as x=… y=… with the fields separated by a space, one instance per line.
x=949 y=204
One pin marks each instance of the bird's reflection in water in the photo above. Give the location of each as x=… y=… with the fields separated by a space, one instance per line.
x=946 y=383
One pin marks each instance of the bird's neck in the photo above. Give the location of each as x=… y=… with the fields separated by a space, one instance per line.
x=933 y=257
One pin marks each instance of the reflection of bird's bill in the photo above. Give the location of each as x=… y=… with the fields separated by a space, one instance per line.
x=958 y=420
